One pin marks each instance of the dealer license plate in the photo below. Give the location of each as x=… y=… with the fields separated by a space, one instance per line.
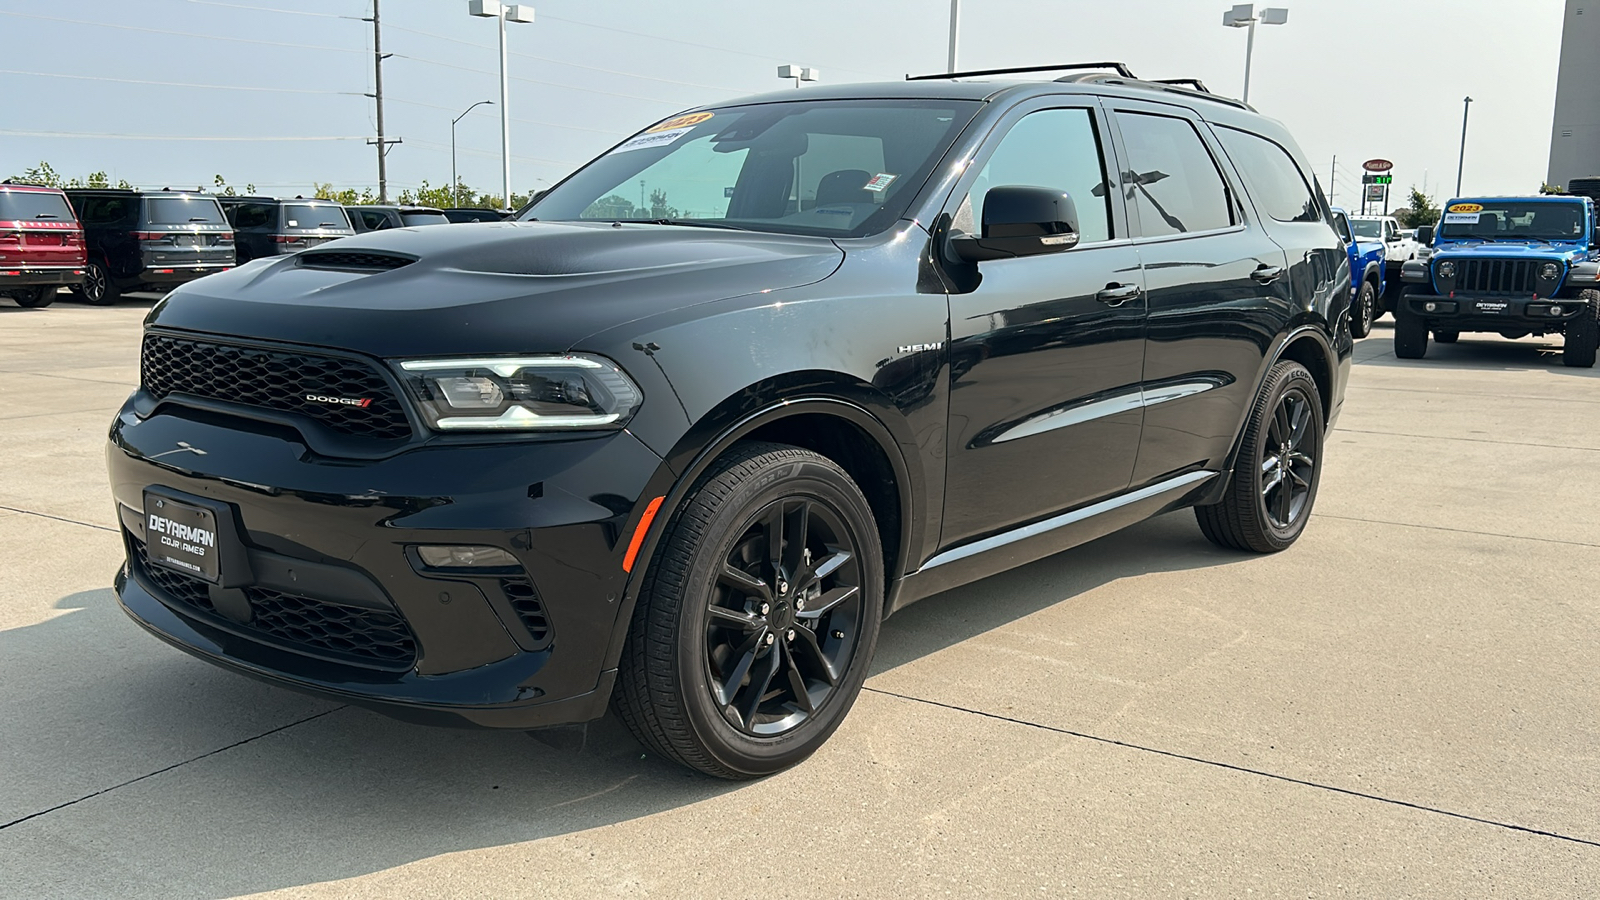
x=1491 y=307
x=181 y=537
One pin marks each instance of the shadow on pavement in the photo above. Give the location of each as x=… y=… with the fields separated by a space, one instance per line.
x=1481 y=352
x=346 y=792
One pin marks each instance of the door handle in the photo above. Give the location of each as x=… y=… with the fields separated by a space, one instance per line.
x=1267 y=274
x=1118 y=294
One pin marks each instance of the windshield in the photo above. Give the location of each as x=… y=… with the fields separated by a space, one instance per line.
x=314 y=215
x=183 y=211
x=837 y=168
x=1367 y=228
x=1510 y=220
x=25 y=206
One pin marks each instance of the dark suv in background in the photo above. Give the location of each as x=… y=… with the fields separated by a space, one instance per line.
x=266 y=226
x=886 y=340
x=41 y=244
x=381 y=218
x=149 y=240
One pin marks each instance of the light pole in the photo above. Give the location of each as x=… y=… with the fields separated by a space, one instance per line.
x=799 y=73
x=1244 y=16
x=955 y=33
x=1466 y=110
x=496 y=10
x=455 y=183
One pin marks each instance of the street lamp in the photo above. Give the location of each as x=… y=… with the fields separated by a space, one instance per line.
x=494 y=9
x=1466 y=110
x=800 y=73
x=455 y=183
x=1244 y=16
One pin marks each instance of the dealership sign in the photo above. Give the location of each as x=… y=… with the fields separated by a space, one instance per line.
x=1377 y=165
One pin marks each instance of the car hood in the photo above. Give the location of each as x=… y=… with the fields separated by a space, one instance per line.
x=1512 y=250
x=493 y=287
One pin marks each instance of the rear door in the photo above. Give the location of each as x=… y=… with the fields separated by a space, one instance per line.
x=1218 y=296
x=38 y=228
x=1045 y=351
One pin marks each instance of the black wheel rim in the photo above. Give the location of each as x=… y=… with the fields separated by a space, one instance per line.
x=1366 y=307
x=1288 y=460
x=94 y=282
x=784 y=618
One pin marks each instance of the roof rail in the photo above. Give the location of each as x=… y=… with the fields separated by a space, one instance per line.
x=1120 y=68
x=1194 y=83
x=1175 y=85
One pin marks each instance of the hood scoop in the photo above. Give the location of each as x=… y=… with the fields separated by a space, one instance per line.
x=353 y=260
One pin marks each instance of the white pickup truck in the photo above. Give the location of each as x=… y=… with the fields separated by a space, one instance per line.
x=1398 y=247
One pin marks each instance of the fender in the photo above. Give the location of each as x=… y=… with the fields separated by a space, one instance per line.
x=709 y=439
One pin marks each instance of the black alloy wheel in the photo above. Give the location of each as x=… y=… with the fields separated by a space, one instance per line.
x=35 y=297
x=758 y=615
x=1364 y=311
x=1274 y=481
x=98 y=287
x=784 y=618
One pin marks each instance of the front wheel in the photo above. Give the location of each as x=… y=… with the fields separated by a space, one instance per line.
x=1365 y=311
x=758 y=616
x=1583 y=334
x=1275 y=478
x=1410 y=334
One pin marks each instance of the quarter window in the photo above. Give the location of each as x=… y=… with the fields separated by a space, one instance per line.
x=1052 y=148
x=1278 y=187
x=1172 y=180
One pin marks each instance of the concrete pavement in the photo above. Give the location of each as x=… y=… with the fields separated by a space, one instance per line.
x=1404 y=704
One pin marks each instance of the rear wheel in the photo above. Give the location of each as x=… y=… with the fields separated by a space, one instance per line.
x=36 y=297
x=758 y=616
x=98 y=288
x=1446 y=337
x=1583 y=334
x=1364 y=311
x=1275 y=477
x=1410 y=334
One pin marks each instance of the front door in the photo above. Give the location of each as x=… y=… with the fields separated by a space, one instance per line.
x=1046 y=352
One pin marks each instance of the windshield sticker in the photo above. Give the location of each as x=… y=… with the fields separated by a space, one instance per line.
x=1465 y=208
x=880 y=182
x=653 y=139
x=293 y=223
x=689 y=121
x=834 y=211
x=1461 y=218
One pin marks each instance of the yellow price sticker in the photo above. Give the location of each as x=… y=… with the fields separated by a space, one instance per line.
x=687 y=121
x=1465 y=208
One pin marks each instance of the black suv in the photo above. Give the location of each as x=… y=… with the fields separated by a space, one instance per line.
x=867 y=343
x=148 y=240
x=381 y=218
x=464 y=214
x=267 y=226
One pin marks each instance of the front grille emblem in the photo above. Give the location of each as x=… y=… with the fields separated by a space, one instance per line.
x=362 y=402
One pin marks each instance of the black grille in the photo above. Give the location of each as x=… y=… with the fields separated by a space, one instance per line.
x=338 y=259
x=1498 y=276
x=345 y=633
x=276 y=379
x=525 y=600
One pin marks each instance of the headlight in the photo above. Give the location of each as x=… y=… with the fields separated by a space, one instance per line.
x=525 y=393
x=1550 y=271
x=1447 y=269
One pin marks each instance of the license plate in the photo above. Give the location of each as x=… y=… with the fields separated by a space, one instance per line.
x=1491 y=307
x=185 y=240
x=181 y=537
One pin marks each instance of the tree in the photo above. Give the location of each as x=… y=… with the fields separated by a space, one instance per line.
x=346 y=197
x=226 y=190
x=1419 y=211
x=615 y=206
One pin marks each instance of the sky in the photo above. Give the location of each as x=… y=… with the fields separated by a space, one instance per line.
x=271 y=92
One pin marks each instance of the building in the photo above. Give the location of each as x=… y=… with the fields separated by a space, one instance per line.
x=1575 y=137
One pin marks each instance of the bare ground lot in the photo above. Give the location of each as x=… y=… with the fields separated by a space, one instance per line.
x=1407 y=703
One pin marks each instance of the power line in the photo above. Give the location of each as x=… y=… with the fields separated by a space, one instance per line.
x=174 y=137
x=182 y=84
x=163 y=31
x=513 y=118
x=287 y=12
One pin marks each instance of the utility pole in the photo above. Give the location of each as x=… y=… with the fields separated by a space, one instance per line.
x=1465 y=112
x=1333 y=179
x=955 y=32
x=382 y=143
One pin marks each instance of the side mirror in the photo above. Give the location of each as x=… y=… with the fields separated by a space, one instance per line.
x=1425 y=235
x=1021 y=221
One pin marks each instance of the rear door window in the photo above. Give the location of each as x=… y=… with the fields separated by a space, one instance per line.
x=28 y=206
x=252 y=215
x=1172 y=180
x=1278 y=187
x=183 y=211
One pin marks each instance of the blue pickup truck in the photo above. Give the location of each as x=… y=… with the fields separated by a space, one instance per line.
x=1366 y=275
x=1511 y=265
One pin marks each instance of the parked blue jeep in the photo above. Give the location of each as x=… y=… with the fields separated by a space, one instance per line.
x=1512 y=265
x=1366 y=275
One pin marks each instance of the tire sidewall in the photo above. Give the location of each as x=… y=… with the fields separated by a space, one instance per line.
x=1295 y=378
x=104 y=277
x=1365 y=312
x=803 y=478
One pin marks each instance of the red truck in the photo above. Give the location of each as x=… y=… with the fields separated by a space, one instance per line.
x=41 y=244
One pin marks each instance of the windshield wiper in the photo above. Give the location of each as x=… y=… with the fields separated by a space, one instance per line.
x=46 y=216
x=199 y=219
x=688 y=223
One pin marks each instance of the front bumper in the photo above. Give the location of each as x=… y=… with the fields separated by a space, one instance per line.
x=1467 y=312
x=326 y=594
x=34 y=276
